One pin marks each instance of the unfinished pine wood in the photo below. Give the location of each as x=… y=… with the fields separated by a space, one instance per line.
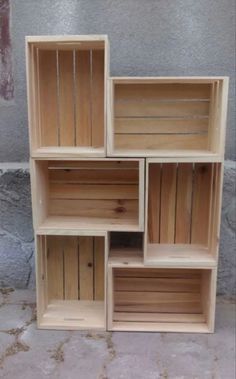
x=181 y=201
x=71 y=264
x=94 y=193
x=67 y=88
x=47 y=68
x=55 y=268
x=166 y=116
x=72 y=275
x=159 y=299
x=66 y=93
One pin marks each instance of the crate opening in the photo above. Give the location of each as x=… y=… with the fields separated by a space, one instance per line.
x=71 y=271
x=98 y=194
x=182 y=211
x=162 y=117
x=125 y=248
x=161 y=299
x=68 y=84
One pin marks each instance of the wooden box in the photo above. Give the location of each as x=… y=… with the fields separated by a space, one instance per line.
x=167 y=116
x=183 y=204
x=71 y=281
x=67 y=95
x=87 y=194
x=161 y=299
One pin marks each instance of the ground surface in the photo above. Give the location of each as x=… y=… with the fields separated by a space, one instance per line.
x=28 y=353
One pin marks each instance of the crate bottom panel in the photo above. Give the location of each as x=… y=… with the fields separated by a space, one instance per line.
x=68 y=152
x=70 y=224
x=160 y=327
x=72 y=314
x=179 y=255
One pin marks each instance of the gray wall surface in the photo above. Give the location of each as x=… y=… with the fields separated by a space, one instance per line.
x=147 y=37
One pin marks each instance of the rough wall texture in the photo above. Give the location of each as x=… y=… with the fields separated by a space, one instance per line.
x=153 y=37
x=16 y=234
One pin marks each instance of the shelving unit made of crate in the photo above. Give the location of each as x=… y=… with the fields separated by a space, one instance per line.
x=71 y=281
x=161 y=299
x=167 y=117
x=182 y=214
x=102 y=194
x=67 y=81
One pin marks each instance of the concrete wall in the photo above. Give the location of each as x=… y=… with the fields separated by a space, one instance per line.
x=152 y=37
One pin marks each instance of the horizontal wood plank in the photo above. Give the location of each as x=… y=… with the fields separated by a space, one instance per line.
x=166 y=91
x=94 y=208
x=157 y=284
x=154 y=141
x=162 y=109
x=94 y=191
x=160 y=126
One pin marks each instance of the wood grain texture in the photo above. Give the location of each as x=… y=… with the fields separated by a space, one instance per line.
x=83 y=99
x=66 y=99
x=154 y=188
x=97 y=98
x=168 y=201
x=183 y=203
x=48 y=97
x=86 y=265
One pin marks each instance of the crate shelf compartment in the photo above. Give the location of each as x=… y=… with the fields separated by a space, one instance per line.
x=167 y=116
x=182 y=213
x=71 y=291
x=94 y=195
x=67 y=95
x=160 y=299
x=125 y=248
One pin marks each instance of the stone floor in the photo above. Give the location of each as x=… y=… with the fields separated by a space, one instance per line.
x=28 y=353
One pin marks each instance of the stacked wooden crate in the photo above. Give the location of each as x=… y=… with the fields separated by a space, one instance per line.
x=126 y=180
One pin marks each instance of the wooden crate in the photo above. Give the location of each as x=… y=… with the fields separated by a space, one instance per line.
x=167 y=116
x=98 y=195
x=161 y=299
x=67 y=95
x=183 y=204
x=71 y=281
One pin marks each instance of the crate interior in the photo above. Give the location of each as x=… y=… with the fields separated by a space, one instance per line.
x=164 y=117
x=68 y=88
x=182 y=211
x=92 y=194
x=161 y=299
x=125 y=248
x=72 y=281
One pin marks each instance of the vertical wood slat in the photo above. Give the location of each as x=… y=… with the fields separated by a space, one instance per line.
x=55 y=268
x=70 y=249
x=168 y=200
x=183 y=203
x=83 y=98
x=86 y=268
x=66 y=98
x=154 y=202
x=48 y=97
x=99 y=274
x=97 y=98
x=201 y=202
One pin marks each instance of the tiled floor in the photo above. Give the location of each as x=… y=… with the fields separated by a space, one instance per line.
x=28 y=353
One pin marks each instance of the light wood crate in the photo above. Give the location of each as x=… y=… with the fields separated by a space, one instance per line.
x=71 y=281
x=87 y=194
x=167 y=116
x=89 y=135
x=161 y=299
x=183 y=206
x=67 y=95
